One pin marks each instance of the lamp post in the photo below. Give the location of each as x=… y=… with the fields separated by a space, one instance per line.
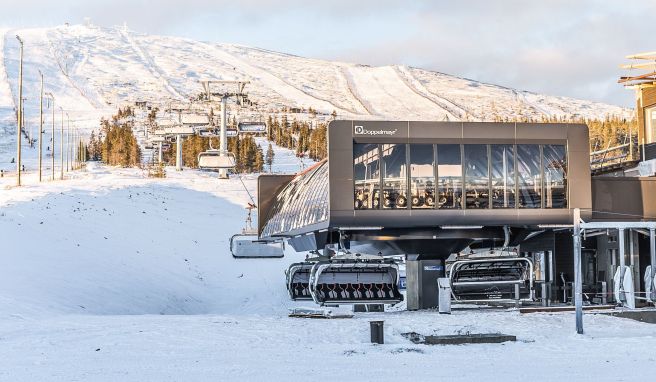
x=52 y=97
x=68 y=141
x=61 y=146
x=20 y=112
x=40 y=127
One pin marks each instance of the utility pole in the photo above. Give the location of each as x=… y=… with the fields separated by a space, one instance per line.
x=578 y=282
x=20 y=112
x=68 y=142
x=52 y=97
x=61 y=146
x=40 y=127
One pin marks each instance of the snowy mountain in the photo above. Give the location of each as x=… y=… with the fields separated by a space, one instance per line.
x=92 y=69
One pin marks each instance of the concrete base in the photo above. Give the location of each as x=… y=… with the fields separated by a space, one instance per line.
x=648 y=316
x=460 y=339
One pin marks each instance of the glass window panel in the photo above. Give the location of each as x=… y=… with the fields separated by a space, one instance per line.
x=555 y=176
x=449 y=173
x=477 y=181
x=528 y=176
x=395 y=176
x=502 y=176
x=366 y=174
x=422 y=176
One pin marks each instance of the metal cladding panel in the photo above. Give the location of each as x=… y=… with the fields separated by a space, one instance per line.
x=436 y=132
x=579 y=177
x=340 y=165
x=633 y=198
x=488 y=132
x=546 y=133
x=380 y=131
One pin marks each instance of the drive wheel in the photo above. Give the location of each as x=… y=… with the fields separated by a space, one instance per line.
x=401 y=201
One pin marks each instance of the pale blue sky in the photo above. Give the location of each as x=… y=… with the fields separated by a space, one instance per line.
x=556 y=47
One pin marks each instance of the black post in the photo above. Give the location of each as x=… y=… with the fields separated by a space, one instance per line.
x=377 y=334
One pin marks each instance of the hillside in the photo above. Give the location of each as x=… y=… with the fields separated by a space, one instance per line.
x=91 y=69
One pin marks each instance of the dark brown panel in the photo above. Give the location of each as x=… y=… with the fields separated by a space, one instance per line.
x=633 y=198
x=648 y=97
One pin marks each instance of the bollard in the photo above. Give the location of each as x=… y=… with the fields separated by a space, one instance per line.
x=444 y=303
x=377 y=334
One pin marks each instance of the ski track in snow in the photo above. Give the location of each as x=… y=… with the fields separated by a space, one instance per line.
x=72 y=74
x=421 y=91
x=66 y=73
x=273 y=82
x=152 y=66
x=459 y=113
x=346 y=72
x=383 y=86
x=6 y=97
x=113 y=276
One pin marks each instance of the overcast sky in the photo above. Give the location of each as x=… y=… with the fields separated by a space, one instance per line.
x=558 y=47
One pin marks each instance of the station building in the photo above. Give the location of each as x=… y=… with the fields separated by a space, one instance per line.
x=436 y=192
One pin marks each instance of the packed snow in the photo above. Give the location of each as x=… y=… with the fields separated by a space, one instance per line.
x=110 y=275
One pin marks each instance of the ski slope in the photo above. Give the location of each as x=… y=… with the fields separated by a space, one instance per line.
x=387 y=95
x=92 y=69
x=113 y=276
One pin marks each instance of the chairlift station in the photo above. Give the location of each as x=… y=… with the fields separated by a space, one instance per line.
x=491 y=206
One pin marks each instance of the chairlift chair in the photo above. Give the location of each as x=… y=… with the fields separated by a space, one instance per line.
x=492 y=279
x=349 y=280
x=248 y=245
x=213 y=160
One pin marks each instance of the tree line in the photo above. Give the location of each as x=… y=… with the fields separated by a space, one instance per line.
x=298 y=136
x=116 y=144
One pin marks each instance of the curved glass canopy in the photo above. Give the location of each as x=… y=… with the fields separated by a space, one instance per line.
x=303 y=202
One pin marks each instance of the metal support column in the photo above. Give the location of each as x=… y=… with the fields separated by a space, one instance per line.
x=621 y=246
x=578 y=283
x=159 y=154
x=223 y=149
x=652 y=256
x=178 y=152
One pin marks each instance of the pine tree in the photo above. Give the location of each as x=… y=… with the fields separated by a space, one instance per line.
x=258 y=164
x=270 y=154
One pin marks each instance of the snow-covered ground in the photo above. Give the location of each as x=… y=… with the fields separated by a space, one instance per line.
x=112 y=276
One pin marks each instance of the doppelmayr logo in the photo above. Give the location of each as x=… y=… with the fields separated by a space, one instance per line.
x=360 y=130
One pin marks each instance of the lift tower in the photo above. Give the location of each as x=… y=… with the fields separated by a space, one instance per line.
x=241 y=98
